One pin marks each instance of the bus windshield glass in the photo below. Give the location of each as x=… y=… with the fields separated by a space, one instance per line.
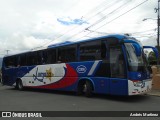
x=136 y=63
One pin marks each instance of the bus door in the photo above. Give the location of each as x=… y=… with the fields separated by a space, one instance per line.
x=118 y=71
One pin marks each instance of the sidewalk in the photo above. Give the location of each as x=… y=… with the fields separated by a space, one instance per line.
x=155 y=81
x=154 y=92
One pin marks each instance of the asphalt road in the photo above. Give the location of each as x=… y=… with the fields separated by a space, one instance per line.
x=45 y=100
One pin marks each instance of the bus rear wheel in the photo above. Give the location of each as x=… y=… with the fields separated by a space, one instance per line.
x=19 y=85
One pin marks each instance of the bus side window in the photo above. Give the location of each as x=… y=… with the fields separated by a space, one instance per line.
x=31 y=58
x=59 y=58
x=22 y=60
x=50 y=56
x=6 y=62
x=103 y=50
x=67 y=54
x=90 y=51
x=10 y=62
x=44 y=57
x=39 y=58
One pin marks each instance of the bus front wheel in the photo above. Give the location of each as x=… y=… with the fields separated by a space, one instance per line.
x=88 y=89
x=85 y=87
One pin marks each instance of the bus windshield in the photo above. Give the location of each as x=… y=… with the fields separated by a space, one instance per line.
x=136 y=63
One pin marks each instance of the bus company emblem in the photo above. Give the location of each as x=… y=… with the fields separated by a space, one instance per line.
x=41 y=75
x=139 y=75
x=81 y=69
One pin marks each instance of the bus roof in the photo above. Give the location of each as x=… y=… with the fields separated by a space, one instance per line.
x=120 y=37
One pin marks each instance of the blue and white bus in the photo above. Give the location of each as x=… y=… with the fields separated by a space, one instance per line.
x=112 y=64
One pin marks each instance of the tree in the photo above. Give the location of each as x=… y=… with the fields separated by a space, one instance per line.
x=152 y=58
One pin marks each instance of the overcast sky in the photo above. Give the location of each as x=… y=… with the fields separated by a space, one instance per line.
x=28 y=24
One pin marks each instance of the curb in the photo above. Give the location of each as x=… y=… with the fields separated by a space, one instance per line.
x=153 y=94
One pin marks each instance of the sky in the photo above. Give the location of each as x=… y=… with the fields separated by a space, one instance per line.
x=34 y=24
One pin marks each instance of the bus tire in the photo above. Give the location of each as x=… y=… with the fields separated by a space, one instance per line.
x=88 y=89
x=80 y=88
x=19 y=85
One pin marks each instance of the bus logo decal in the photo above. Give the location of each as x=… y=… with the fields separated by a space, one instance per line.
x=36 y=77
x=139 y=75
x=49 y=74
x=40 y=75
x=81 y=69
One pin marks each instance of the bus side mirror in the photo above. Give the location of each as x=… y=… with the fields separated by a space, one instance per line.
x=154 y=49
x=137 y=48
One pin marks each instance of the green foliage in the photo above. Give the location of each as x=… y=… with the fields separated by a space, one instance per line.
x=152 y=58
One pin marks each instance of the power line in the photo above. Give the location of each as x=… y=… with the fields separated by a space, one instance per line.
x=141 y=32
x=123 y=14
x=104 y=9
x=7 y=51
x=99 y=20
x=107 y=7
x=100 y=7
x=142 y=36
x=97 y=7
x=118 y=16
x=103 y=18
x=145 y=31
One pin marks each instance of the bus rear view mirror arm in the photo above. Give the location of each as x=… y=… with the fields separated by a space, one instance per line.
x=154 y=49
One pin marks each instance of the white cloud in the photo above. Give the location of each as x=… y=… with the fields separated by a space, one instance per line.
x=26 y=24
x=21 y=43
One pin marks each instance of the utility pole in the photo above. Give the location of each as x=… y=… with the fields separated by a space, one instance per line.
x=7 y=51
x=158 y=24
